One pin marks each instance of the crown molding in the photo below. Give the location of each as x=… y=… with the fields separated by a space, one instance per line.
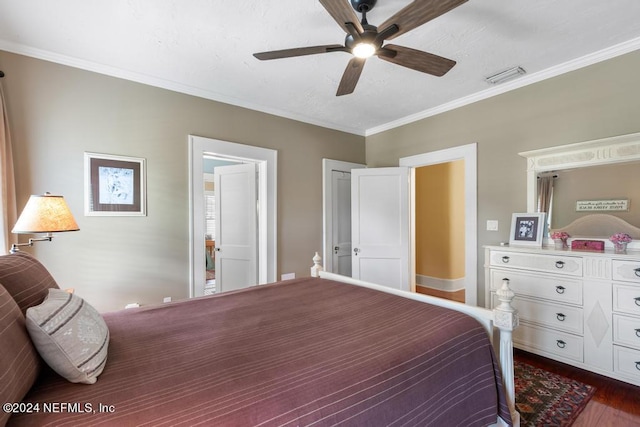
x=593 y=58
x=575 y=64
x=164 y=84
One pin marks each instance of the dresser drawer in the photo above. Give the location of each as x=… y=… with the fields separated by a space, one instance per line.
x=627 y=362
x=561 y=289
x=558 y=316
x=626 y=330
x=626 y=299
x=564 y=318
x=628 y=271
x=553 y=342
x=557 y=264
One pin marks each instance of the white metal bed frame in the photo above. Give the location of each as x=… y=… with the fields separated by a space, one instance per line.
x=502 y=320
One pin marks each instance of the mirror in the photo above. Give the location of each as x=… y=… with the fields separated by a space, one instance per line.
x=605 y=169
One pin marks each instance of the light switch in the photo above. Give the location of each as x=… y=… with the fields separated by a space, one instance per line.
x=492 y=225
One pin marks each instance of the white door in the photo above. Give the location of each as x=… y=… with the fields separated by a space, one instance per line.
x=380 y=226
x=341 y=225
x=236 y=227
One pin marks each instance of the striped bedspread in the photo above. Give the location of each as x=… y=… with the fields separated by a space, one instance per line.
x=305 y=352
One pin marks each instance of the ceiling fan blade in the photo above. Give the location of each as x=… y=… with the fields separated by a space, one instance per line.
x=417 y=13
x=417 y=60
x=351 y=76
x=342 y=12
x=299 y=51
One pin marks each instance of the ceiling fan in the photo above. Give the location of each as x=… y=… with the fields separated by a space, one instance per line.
x=363 y=40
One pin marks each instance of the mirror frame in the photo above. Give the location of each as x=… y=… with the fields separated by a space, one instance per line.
x=617 y=149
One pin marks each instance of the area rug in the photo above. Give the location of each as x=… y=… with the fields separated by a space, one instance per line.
x=547 y=399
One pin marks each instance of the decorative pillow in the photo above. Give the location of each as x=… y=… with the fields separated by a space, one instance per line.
x=26 y=279
x=70 y=335
x=19 y=361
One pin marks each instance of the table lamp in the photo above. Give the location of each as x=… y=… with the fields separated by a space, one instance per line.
x=43 y=214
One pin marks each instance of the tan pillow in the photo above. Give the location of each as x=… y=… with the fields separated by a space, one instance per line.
x=70 y=335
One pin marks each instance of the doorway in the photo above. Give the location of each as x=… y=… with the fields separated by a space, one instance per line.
x=467 y=153
x=439 y=230
x=336 y=218
x=266 y=164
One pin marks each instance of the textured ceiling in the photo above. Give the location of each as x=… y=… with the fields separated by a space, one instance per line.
x=205 y=47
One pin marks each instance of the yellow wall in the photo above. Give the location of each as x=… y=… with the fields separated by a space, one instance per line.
x=440 y=220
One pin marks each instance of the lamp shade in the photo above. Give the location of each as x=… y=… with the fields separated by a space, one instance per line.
x=45 y=214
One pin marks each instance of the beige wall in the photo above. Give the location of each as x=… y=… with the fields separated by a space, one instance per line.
x=57 y=113
x=594 y=102
x=440 y=220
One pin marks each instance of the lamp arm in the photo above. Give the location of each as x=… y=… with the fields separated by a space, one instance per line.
x=16 y=246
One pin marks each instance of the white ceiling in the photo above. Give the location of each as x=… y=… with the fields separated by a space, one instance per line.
x=205 y=47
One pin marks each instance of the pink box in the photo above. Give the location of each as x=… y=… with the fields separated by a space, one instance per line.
x=587 y=245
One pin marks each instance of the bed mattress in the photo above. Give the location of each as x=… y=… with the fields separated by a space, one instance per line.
x=301 y=352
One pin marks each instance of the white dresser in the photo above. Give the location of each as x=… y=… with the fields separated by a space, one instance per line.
x=581 y=308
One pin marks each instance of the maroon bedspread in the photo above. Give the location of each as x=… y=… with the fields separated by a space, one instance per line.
x=300 y=352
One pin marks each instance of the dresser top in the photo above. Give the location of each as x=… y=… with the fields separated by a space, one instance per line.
x=631 y=254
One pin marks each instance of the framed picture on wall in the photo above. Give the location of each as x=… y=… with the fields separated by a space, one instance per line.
x=114 y=185
x=527 y=229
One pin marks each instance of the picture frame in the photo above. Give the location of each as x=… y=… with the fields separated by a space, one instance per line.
x=527 y=229
x=114 y=185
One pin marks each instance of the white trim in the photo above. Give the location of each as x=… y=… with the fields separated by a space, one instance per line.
x=165 y=84
x=468 y=153
x=444 y=285
x=328 y=166
x=574 y=64
x=266 y=159
x=616 y=149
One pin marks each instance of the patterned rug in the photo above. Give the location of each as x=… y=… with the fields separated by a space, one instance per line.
x=547 y=399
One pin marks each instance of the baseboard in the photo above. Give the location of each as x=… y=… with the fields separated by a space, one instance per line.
x=445 y=285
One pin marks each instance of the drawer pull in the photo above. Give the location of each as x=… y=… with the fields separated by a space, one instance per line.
x=638 y=366
x=560 y=289
x=637 y=301
x=559 y=264
x=637 y=272
x=560 y=317
x=563 y=344
x=505 y=259
x=638 y=333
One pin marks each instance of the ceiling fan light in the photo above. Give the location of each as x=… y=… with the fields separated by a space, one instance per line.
x=364 y=50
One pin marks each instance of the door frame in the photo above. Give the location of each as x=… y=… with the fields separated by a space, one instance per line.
x=267 y=196
x=328 y=166
x=468 y=153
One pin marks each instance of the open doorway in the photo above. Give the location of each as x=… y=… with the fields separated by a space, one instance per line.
x=265 y=161
x=439 y=230
x=468 y=155
x=211 y=165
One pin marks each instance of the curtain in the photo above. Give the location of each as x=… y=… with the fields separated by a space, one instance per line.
x=545 y=193
x=7 y=180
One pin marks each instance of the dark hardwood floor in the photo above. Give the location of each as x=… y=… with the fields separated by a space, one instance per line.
x=615 y=403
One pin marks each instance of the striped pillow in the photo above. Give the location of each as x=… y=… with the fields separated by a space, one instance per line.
x=19 y=361
x=70 y=335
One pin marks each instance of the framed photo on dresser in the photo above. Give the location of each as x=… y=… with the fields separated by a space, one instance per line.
x=527 y=229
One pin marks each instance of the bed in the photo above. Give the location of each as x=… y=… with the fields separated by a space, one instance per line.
x=316 y=351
